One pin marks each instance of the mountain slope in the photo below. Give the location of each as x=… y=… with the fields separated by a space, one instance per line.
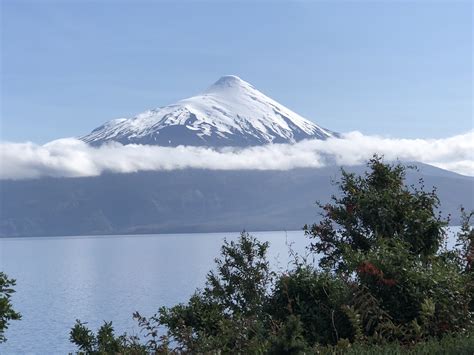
x=190 y=200
x=229 y=113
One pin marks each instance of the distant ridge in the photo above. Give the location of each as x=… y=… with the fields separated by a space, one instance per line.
x=231 y=112
x=191 y=200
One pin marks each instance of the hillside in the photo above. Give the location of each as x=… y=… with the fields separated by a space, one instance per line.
x=188 y=201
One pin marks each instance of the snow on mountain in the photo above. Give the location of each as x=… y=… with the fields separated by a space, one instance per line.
x=229 y=113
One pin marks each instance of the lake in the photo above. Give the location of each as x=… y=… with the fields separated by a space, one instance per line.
x=97 y=278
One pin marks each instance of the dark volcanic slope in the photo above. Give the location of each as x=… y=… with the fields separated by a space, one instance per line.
x=186 y=201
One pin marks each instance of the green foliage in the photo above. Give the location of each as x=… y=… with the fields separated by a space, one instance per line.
x=451 y=344
x=105 y=342
x=384 y=286
x=243 y=275
x=316 y=298
x=367 y=317
x=383 y=238
x=406 y=287
x=7 y=313
x=226 y=316
x=289 y=338
x=465 y=242
x=377 y=205
x=229 y=313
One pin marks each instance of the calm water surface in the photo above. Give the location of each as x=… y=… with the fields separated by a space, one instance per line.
x=97 y=278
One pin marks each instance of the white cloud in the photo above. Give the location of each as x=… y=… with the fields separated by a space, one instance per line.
x=70 y=157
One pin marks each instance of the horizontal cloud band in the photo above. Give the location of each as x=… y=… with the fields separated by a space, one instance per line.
x=72 y=158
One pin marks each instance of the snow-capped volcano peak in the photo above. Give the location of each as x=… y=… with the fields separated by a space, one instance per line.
x=227 y=82
x=231 y=112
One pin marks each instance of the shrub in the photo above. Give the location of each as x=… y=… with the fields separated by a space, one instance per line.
x=316 y=298
x=417 y=299
x=450 y=344
x=7 y=313
x=289 y=338
x=229 y=313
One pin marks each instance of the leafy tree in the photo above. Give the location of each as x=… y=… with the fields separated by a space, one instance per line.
x=465 y=241
x=377 y=205
x=229 y=313
x=240 y=284
x=7 y=313
x=105 y=342
x=383 y=238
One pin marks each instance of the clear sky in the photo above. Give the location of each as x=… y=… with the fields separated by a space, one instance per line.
x=394 y=68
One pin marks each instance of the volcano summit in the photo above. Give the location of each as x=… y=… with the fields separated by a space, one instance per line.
x=231 y=112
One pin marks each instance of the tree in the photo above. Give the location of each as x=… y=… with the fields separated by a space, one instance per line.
x=7 y=313
x=383 y=238
x=465 y=243
x=228 y=314
x=374 y=206
x=105 y=342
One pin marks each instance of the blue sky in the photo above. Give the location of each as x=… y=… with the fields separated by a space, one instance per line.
x=394 y=68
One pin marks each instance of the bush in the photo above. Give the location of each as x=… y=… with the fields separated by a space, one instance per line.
x=417 y=299
x=451 y=344
x=289 y=338
x=7 y=313
x=228 y=314
x=316 y=298
x=105 y=342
